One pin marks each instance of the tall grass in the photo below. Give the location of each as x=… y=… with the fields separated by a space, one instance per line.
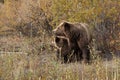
x=44 y=66
x=23 y=67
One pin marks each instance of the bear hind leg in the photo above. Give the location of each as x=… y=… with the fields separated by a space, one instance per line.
x=86 y=55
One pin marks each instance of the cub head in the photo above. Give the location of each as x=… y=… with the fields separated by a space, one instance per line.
x=60 y=42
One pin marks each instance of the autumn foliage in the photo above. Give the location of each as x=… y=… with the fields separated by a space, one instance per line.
x=103 y=16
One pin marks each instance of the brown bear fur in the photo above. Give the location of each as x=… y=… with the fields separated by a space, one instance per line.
x=63 y=50
x=67 y=52
x=78 y=34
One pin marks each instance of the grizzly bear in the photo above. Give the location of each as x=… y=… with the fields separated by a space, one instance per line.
x=65 y=51
x=77 y=34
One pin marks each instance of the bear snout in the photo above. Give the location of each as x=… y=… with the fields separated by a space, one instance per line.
x=57 y=32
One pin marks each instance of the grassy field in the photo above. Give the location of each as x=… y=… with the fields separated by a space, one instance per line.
x=26 y=41
x=19 y=62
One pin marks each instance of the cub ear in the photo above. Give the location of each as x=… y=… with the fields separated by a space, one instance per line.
x=66 y=26
x=57 y=39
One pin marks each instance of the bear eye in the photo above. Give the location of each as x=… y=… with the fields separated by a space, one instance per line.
x=57 y=39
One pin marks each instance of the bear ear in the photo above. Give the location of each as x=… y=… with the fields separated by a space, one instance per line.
x=66 y=26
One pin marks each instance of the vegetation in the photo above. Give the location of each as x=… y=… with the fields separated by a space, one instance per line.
x=26 y=48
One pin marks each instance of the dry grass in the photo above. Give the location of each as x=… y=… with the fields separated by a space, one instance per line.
x=23 y=67
x=30 y=58
x=43 y=66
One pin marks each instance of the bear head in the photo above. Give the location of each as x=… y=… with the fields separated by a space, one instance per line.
x=67 y=29
x=62 y=29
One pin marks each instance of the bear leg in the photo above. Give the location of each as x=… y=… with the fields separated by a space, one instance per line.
x=86 y=54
